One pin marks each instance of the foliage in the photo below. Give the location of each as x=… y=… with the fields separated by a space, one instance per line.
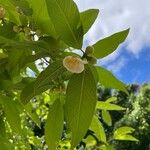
x=37 y=92
x=137 y=116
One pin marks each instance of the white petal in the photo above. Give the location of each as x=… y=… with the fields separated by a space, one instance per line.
x=73 y=64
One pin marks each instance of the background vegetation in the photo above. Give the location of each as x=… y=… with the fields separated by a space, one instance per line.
x=53 y=98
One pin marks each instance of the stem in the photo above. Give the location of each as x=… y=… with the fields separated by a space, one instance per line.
x=82 y=51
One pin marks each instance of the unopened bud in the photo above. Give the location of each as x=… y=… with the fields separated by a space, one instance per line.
x=89 y=50
x=16 y=29
x=93 y=60
x=27 y=30
x=2 y=12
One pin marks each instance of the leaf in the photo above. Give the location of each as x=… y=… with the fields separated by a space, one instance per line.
x=23 y=6
x=107 y=79
x=98 y=129
x=111 y=99
x=123 y=130
x=3 y=55
x=126 y=138
x=2 y=127
x=122 y=133
x=40 y=18
x=32 y=114
x=50 y=73
x=109 y=44
x=106 y=117
x=88 y=17
x=54 y=125
x=7 y=26
x=52 y=44
x=5 y=144
x=107 y=147
x=80 y=104
x=16 y=44
x=107 y=106
x=66 y=20
x=30 y=91
x=89 y=141
x=15 y=60
x=94 y=72
x=11 y=12
x=42 y=83
x=12 y=113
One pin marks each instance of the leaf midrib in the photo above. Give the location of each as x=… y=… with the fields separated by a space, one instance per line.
x=80 y=101
x=59 y=68
x=67 y=23
x=39 y=86
x=38 y=15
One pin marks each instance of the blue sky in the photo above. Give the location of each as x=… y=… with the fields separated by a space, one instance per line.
x=133 y=69
x=131 y=61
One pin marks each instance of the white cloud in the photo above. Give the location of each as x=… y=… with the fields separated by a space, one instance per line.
x=117 y=65
x=116 y=16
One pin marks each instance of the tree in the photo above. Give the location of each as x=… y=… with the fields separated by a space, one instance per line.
x=38 y=67
x=137 y=116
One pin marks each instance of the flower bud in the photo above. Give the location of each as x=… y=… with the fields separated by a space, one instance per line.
x=2 y=12
x=89 y=50
x=27 y=30
x=93 y=60
x=74 y=64
x=16 y=29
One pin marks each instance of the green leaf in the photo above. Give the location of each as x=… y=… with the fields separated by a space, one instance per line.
x=12 y=113
x=32 y=114
x=30 y=91
x=111 y=99
x=66 y=20
x=42 y=83
x=98 y=129
x=11 y=13
x=122 y=133
x=94 y=72
x=109 y=44
x=5 y=144
x=126 y=138
x=124 y=130
x=40 y=18
x=89 y=141
x=7 y=26
x=23 y=7
x=106 y=117
x=107 y=79
x=107 y=106
x=80 y=104
x=50 y=73
x=3 y=55
x=16 y=44
x=52 y=44
x=15 y=61
x=2 y=127
x=88 y=17
x=107 y=147
x=54 y=125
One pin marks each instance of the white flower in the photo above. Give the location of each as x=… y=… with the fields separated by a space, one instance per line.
x=74 y=64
